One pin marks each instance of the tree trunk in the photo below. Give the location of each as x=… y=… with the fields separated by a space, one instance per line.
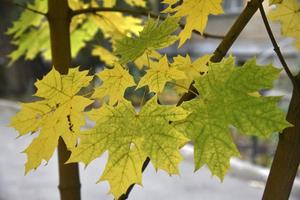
x=286 y=161
x=59 y=16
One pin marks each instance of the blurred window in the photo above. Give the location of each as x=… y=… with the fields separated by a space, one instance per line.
x=233 y=6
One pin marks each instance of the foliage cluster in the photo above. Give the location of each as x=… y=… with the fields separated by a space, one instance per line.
x=227 y=95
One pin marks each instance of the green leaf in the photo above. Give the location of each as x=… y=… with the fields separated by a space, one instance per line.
x=226 y=100
x=155 y=35
x=31 y=43
x=28 y=19
x=31 y=31
x=130 y=137
x=59 y=114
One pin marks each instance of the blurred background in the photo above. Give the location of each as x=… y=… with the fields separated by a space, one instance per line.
x=249 y=172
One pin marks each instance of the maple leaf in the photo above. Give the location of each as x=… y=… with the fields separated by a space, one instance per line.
x=155 y=35
x=115 y=26
x=31 y=31
x=29 y=19
x=192 y=70
x=130 y=137
x=159 y=74
x=287 y=12
x=147 y=59
x=196 y=13
x=115 y=82
x=80 y=36
x=105 y=55
x=59 y=114
x=226 y=100
x=31 y=43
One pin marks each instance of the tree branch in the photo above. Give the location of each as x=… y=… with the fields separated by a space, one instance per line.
x=25 y=7
x=229 y=39
x=137 y=13
x=287 y=156
x=276 y=47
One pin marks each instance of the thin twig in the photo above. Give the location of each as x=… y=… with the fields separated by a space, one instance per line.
x=25 y=7
x=276 y=47
x=138 y=13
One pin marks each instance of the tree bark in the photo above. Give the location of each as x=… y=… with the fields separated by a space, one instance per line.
x=59 y=17
x=287 y=157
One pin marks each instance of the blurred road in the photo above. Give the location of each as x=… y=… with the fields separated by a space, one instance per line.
x=42 y=184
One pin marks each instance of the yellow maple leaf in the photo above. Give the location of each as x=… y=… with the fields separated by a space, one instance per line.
x=196 y=13
x=115 y=26
x=159 y=74
x=115 y=82
x=192 y=70
x=147 y=59
x=105 y=55
x=287 y=12
x=59 y=114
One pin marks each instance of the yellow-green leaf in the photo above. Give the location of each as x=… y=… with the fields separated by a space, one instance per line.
x=115 y=82
x=129 y=137
x=227 y=100
x=155 y=35
x=105 y=55
x=59 y=114
x=159 y=74
x=192 y=70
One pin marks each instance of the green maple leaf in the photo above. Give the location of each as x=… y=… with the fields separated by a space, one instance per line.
x=59 y=114
x=130 y=137
x=28 y=18
x=226 y=98
x=155 y=35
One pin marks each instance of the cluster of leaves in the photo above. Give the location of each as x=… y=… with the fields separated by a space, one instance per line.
x=287 y=12
x=31 y=32
x=228 y=96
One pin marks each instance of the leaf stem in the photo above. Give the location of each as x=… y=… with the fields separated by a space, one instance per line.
x=276 y=47
x=187 y=89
